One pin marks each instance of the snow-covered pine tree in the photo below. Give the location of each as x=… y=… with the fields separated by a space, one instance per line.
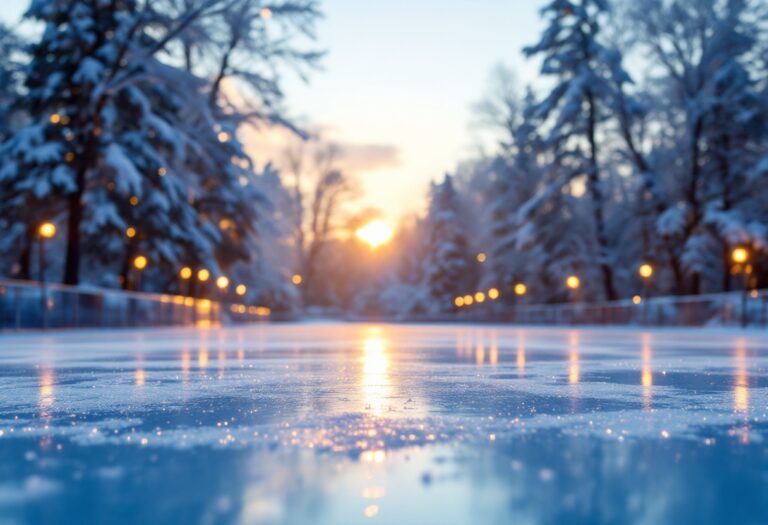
x=574 y=56
x=448 y=270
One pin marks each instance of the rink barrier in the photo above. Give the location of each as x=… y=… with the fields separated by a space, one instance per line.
x=721 y=309
x=31 y=305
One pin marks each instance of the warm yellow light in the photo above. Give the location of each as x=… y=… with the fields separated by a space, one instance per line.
x=186 y=272
x=637 y=299
x=241 y=289
x=140 y=262
x=134 y=200
x=646 y=270
x=493 y=294
x=130 y=232
x=296 y=279
x=266 y=13
x=203 y=275
x=479 y=297
x=222 y=282
x=740 y=255
x=162 y=172
x=47 y=230
x=375 y=233
x=468 y=300
x=520 y=289
x=481 y=257
x=223 y=136
x=573 y=282
x=459 y=302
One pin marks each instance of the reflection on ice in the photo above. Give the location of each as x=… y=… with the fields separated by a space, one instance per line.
x=349 y=423
x=375 y=381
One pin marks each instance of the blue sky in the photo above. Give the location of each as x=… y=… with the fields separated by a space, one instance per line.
x=398 y=82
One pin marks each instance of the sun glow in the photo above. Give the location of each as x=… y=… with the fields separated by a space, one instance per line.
x=375 y=233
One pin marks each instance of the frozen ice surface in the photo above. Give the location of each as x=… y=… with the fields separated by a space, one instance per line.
x=352 y=423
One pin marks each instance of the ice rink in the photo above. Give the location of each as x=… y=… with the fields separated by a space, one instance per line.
x=353 y=423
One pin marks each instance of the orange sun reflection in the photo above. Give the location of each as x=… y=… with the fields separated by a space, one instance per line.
x=375 y=381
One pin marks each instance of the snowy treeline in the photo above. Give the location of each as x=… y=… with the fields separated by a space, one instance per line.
x=123 y=131
x=608 y=166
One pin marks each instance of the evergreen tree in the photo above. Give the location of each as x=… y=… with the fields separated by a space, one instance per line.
x=575 y=57
x=448 y=265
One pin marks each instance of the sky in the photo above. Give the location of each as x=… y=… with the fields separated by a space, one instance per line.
x=397 y=85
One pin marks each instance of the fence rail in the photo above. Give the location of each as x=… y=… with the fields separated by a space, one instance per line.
x=723 y=309
x=33 y=305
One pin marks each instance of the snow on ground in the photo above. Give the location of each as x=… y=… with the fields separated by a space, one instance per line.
x=345 y=423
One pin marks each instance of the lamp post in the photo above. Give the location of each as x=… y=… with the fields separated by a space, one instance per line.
x=186 y=276
x=573 y=283
x=646 y=272
x=47 y=230
x=740 y=256
x=520 y=290
x=139 y=263
x=222 y=283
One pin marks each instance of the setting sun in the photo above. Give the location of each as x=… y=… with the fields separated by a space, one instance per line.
x=375 y=233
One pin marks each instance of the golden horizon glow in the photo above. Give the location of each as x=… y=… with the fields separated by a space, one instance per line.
x=375 y=234
x=646 y=271
x=740 y=255
x=47 y=230
x=186 y=272
x=573 y=282
x=140 y=262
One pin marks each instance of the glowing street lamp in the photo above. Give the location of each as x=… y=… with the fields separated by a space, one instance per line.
x=240 y=289
x=47 y=230
x=493 y=294
x=741 y=257
x=185 y=273
x=573 y=282
x=203 y=275
x=297 y=279
x=481 y=257
x=139 y=263
x=646 y=272
x=520 y=289
x=458 y=302
x=222 y=282
x=468 y=300
x=479 y=297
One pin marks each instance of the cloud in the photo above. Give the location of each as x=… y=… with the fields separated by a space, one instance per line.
x=270 y=145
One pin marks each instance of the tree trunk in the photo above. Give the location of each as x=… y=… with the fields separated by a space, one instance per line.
x=596 y=194
x=25 y=257
x=72 y=263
